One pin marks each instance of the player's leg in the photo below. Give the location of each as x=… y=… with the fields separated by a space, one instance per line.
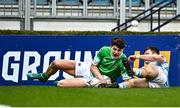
x=67 y=66
x=135 y=83
x=161 y=81
x=83 y=75
x=150 y=72
x=72 y=82
x=132 y=83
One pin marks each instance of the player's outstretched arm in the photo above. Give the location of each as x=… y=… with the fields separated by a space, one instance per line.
x=94 y=69
x=157 y=58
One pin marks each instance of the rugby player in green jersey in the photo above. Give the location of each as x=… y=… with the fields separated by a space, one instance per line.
x=105 y=68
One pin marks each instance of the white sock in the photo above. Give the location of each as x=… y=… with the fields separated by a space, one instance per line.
x=122 y=85
x=137 y=72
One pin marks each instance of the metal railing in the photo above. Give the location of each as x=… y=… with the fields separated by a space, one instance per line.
x=145 y=14
x=163 y=24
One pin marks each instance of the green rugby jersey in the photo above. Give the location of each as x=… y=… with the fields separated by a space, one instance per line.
x=108 y=66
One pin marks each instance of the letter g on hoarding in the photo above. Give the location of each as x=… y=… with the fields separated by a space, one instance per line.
x=14 y=66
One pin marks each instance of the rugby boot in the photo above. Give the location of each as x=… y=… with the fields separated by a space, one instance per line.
x=41 y=76
x=113 y=85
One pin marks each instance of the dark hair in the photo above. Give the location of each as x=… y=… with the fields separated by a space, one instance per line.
x=153 y=49
x=120 y=43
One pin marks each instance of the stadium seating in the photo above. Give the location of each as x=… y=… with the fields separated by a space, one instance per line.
x=69 y=2
x=157 y=1
x=40 y=2
x=134 y=2
x=142 y=2
x=101 y=2
x=8 y=2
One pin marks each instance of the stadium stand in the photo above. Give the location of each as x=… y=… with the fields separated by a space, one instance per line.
x=162 y=4
x=101 y=2
x=95 y=10
x=69 y=2
x=151 y=2
x=8 y=2
x=134 y=2
x=157 y=1
x=41 y=2
x=142 y=2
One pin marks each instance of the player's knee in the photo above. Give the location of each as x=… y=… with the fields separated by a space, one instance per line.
x=149 y=73
x=55 y=63
x=152 y=73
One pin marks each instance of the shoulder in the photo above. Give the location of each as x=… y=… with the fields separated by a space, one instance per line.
x=105 y=48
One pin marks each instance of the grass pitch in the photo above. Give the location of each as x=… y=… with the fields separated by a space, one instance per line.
x=49 y=96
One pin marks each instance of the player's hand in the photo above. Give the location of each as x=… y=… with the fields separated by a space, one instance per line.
x=103 y=81
x=132 y=58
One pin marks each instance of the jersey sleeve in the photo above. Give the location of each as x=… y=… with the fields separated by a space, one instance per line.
x=124 y=73
x=165 y=64
x=98 y=57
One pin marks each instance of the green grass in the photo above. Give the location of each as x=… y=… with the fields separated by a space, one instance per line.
x=49 y=96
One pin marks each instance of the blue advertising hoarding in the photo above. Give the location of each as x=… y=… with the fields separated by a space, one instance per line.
x=21 y=54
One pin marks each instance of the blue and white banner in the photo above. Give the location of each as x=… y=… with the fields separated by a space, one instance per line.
x=21 y=54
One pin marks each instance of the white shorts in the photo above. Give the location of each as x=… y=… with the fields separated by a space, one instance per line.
x=161 y=81
x=82 y=70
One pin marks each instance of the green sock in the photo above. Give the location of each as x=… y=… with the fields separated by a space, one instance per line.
x=43 y=76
